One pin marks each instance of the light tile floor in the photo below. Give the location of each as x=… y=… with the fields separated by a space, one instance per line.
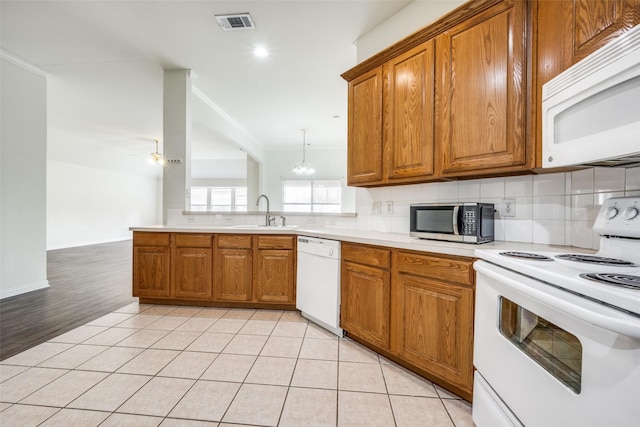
x=149 y=365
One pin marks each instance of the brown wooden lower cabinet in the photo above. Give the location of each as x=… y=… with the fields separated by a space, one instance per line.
x=234 y=260
x=435 y=328
x=365 y=304
x=192 y=272
x=232 y=270
x=151 y=265
x=274 y=276
x=415 y=308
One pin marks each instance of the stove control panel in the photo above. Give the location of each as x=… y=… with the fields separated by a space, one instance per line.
x=619 y=216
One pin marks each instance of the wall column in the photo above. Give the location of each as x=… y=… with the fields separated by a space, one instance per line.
x=23 y=178
x=176 y=144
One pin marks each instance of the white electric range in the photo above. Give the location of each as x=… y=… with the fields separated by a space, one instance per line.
x=557 y=335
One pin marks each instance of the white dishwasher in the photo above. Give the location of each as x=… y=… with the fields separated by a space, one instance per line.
x=318 y=282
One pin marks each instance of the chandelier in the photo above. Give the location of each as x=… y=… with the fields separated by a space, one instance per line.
x=156 y=158
x=303 y=168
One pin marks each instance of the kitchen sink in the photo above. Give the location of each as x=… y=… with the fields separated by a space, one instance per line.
x=261 y=227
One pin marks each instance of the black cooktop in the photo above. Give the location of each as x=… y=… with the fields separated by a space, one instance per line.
x=526 y=255
x=594 y=259
x=622 y=280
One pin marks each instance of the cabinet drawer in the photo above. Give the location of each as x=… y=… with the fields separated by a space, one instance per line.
x=194 y=240
x=151 y=239
x=367 y=255
x=275 y=242
x=440 y=268
x=234 y=241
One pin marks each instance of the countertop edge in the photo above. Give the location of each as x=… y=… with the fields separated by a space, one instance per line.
x=376 y=238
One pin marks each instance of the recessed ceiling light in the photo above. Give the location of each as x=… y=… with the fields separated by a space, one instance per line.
x=261 y=52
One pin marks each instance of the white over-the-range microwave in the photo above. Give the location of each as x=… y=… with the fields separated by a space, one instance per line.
x=591 y=111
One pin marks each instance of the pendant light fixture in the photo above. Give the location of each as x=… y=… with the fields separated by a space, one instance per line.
x=304 y=168
x=156 y=158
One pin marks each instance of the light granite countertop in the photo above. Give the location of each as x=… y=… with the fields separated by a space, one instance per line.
x=393 y=240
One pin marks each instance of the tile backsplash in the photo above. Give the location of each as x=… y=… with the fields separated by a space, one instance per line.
x=557 y=209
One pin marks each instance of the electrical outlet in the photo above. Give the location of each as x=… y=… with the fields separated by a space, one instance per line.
x=191 y=220
x=508 y=208
x=388 y=208
x=228 y=220
x=310 y=220
x=376 y=208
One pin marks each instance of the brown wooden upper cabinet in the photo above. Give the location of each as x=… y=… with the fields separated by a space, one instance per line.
x=364 y=164
x=594 y=23
x=458 y=96
x=408 y=114
x=466 y=90
x=482 y=88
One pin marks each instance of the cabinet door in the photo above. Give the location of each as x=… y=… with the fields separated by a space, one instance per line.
x=365 y=306
x=151 y=271
x=436 y=327
x=192 y=273
x=274 y=280
x=591 y=24
x=364 y=154
x=481 y=90
x=234 y=274
x=409 y=113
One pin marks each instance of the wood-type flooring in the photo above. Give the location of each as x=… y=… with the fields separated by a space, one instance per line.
x=85 y=283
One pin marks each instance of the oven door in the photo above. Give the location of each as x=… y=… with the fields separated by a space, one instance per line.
x=554 y=358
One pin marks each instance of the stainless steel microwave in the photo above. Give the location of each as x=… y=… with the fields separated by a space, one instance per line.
x=454 y=222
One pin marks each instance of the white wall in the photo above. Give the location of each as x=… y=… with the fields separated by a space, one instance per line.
x=23 y=148
x=415 y=16
x=89 y=205
x=329 y=164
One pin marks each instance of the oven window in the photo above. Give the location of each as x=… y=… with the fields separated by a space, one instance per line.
x=553 y=348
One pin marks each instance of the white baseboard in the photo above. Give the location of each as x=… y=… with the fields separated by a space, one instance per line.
x=23 y=289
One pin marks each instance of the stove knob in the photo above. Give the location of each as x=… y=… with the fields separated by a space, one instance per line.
x=611 y=213
x=630 y=212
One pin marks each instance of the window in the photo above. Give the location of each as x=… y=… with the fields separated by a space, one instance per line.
x=311 y=195
x=219 y=199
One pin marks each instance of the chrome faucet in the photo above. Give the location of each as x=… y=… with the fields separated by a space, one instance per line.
x=268 y=218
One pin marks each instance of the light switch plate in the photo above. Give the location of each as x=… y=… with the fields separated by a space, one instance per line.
x=388 y=208
x=376 y=208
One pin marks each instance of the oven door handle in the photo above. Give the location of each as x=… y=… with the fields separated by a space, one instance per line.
x=594 y=313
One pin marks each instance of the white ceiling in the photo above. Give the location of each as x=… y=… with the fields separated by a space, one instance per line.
x=105 y=59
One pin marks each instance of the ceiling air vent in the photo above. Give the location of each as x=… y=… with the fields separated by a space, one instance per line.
x=236 y=21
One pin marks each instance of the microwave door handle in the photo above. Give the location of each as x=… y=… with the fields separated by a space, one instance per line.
x=456 y=210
